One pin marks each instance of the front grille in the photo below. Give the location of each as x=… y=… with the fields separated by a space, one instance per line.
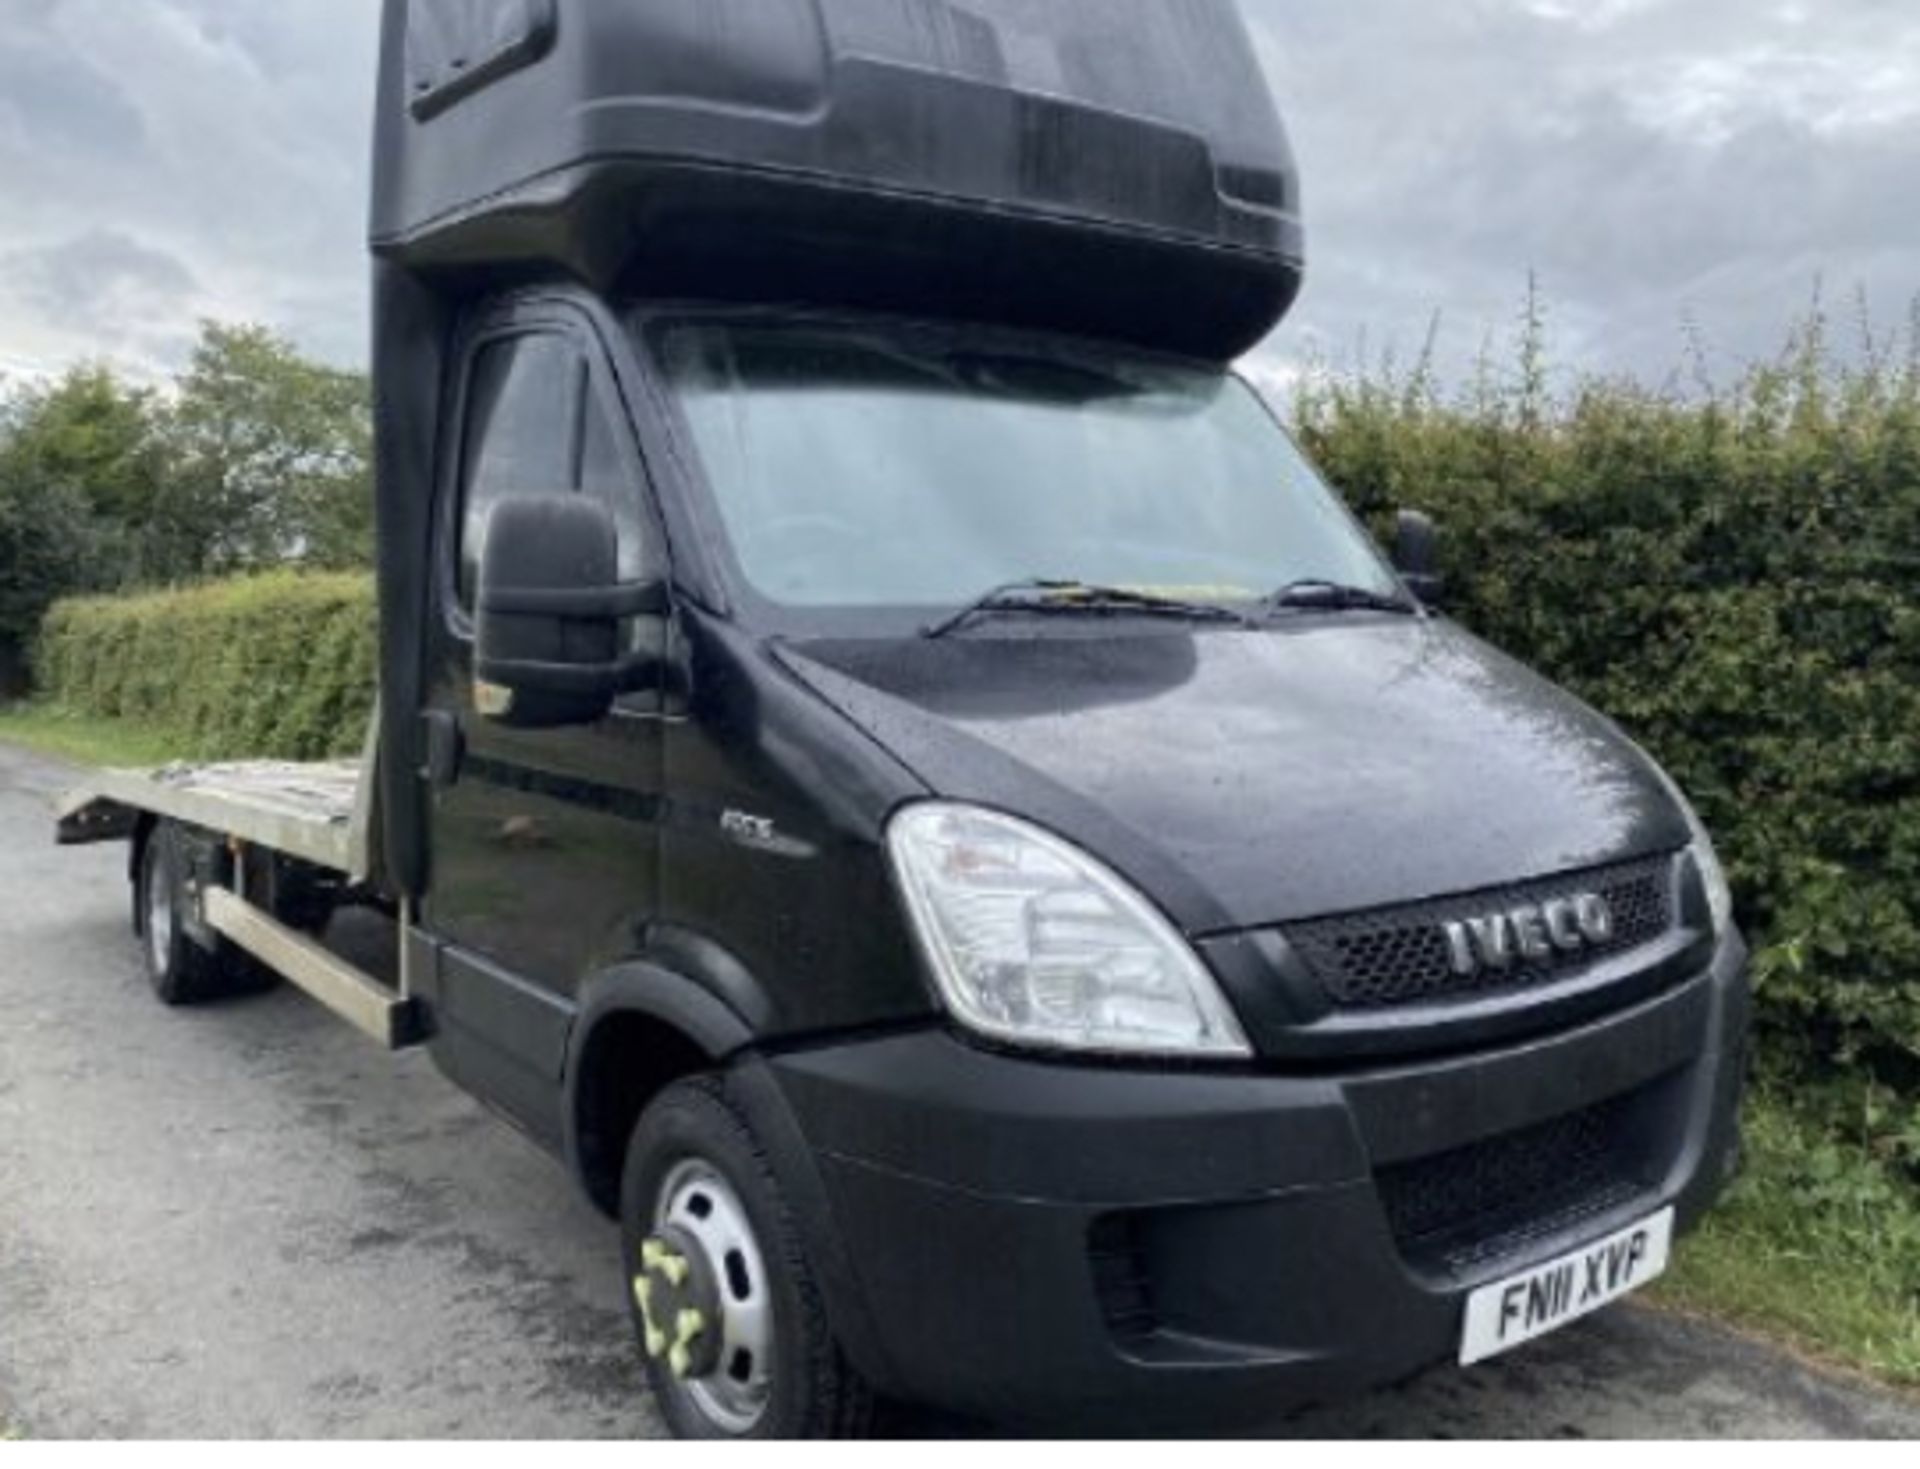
x=1400 y=956
x=1494 y=1198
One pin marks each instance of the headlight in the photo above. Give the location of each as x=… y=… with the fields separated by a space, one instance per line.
x=1036 y=943
x=1712 y=874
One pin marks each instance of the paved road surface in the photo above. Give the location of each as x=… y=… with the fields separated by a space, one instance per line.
x=244 y=1222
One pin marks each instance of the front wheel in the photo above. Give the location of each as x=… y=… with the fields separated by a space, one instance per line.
x=725 y=1304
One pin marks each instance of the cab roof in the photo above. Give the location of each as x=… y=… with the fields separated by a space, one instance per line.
x=1112 y=167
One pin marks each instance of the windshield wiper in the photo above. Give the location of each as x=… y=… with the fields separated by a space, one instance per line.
x=1077 y=599
x=1332 y=596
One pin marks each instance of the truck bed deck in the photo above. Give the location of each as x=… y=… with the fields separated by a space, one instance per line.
x=317 y=813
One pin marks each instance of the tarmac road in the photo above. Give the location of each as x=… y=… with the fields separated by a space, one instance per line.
x=245 y=1222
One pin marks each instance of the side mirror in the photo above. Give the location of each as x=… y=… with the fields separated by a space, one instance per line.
x=548 y=649
x=1416 y=555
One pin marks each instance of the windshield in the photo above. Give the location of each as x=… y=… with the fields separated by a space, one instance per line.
x=878 y=467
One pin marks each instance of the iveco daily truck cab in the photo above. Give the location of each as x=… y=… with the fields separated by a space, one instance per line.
x=896 y=769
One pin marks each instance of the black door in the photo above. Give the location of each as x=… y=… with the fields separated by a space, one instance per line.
x=544 y=845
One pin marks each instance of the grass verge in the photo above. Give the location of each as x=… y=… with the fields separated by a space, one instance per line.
x=84 y=739
x=1818 y=1245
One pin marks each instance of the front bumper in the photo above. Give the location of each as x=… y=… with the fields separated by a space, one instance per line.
x=1037 y=1241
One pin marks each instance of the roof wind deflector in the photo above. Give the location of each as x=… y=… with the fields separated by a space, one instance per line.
x=457 y=47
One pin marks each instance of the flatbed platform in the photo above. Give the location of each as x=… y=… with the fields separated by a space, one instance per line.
x=316 y=813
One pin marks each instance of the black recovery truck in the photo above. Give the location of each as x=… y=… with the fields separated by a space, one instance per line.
x=893 y=766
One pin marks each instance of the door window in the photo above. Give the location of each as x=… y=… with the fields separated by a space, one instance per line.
x=537 y=424
x=607 y=474
x=519 y=441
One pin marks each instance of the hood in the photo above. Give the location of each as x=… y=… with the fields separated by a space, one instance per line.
x=1246 y=779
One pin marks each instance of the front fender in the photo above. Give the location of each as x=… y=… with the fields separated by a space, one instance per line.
x=694 y=1011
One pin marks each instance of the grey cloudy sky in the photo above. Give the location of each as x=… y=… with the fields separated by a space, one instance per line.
x=164 y=160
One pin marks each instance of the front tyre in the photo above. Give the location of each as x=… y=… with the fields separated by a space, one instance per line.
x=727 y=1309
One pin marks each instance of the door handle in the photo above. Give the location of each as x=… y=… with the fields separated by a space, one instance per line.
x=446 y=749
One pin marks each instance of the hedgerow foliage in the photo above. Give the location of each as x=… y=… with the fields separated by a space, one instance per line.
x=278 y=666
x=1730 y=573
x=256 y=458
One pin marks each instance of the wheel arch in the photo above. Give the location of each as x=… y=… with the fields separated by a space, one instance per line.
x=642 y=1027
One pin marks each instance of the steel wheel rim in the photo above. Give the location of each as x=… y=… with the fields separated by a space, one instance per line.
x=697 y=1201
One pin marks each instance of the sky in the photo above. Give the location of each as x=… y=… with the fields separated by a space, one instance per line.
x=1655 y=163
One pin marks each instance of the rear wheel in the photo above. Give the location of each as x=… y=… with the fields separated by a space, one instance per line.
x=725 y=1303
x=179 y=970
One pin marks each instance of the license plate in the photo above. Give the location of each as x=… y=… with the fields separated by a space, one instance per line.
x=1530 y=1306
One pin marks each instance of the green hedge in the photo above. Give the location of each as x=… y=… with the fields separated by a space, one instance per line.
x=1733 y=576
x=277 y=666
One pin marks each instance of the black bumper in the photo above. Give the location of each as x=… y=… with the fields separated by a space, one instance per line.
x=1031 y=1241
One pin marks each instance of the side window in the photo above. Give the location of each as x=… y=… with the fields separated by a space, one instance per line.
x=522 y=414
x=607 y=475
x=537 y=424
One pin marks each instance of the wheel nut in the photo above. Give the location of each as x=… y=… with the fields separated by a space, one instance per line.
x=691 y=1326
x=656 y=1339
